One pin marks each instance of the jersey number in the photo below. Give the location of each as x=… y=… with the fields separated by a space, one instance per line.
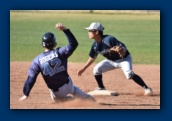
x=53 y=67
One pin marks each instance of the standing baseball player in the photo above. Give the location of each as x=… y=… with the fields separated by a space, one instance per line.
x=53 y=66
x=116 y=54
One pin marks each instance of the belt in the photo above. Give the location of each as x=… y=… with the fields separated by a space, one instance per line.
x=57 y=89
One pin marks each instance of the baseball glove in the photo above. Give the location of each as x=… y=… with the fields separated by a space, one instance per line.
x=118 y=49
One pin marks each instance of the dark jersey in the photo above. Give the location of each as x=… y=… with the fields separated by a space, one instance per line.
x=52 y=65
x=104 y=46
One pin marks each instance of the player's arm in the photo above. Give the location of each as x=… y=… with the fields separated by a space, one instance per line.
x=30 y=81
x=88 y=63
x=27 y=87
x=117 y=47
x=73 y=43
x=93 y=55
x=114 y=42
x=69 y=49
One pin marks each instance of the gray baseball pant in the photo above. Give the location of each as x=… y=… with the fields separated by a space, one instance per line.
x=68 y=89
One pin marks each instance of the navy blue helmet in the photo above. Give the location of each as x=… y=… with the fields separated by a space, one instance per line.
x=49 y=40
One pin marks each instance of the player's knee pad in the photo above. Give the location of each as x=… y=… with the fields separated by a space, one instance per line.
x=130 y=75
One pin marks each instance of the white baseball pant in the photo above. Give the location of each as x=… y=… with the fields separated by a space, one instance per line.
x=106 y=65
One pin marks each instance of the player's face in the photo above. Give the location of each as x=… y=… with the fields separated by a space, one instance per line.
x=91 y=34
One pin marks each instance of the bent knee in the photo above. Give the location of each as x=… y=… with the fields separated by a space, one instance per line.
x=130 y=75
x=96 y=71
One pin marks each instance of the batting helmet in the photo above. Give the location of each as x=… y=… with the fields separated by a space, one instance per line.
x=49 y=40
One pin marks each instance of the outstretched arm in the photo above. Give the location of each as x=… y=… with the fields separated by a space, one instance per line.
x=88 y=63
x=27 y=88
x=73 y=43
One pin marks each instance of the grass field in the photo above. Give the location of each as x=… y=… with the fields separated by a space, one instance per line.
x=139 y=32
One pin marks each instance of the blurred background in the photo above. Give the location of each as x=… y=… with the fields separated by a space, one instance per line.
x=139 y=30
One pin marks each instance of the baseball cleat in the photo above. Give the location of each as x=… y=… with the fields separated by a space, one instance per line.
x=99 y=88
x=148 y=92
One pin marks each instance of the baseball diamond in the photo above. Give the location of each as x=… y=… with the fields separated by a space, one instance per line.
x=130 y=95
x=119 y=55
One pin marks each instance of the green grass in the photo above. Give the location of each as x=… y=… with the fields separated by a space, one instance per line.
x=140 y=33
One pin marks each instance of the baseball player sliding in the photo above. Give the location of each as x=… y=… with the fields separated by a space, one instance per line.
x=116 y=54
x=53 y=66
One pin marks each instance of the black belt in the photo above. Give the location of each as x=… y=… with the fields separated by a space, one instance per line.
x=57 y=89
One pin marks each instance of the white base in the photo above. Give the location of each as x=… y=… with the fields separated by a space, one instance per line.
x=103 y=92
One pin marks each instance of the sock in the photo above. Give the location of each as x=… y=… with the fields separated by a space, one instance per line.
x=99 y=80
x=139 y=81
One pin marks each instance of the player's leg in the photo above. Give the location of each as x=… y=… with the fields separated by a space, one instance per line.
x=62 y=91
x=126 y=66
x=139 y=81
x=77 y=92
x=101 y=67
x=55 y=96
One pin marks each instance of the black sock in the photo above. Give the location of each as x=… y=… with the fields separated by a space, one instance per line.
x=99 y=80
x=139 y=81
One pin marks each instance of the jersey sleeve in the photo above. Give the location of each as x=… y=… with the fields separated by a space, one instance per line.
x=93 y=53
x=33 y=72
x=67 y=50
x=34 y=69
x=28 y=85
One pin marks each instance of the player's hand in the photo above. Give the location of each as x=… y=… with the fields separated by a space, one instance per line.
x=118 y=49
x=60 y=26
x=22 y=98
x=80 y=72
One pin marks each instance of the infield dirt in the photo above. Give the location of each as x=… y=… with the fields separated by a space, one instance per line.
x=130 y=94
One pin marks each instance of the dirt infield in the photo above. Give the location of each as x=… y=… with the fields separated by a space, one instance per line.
x=130 y=94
